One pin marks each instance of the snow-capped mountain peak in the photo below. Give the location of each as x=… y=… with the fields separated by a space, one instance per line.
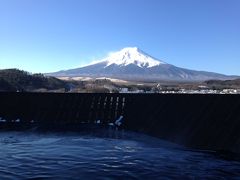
x=133 y=64
x=131 y=55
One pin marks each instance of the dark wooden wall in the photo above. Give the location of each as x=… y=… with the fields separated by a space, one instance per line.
x=199 y=121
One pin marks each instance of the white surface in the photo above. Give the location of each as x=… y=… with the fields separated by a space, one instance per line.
x=130 y=55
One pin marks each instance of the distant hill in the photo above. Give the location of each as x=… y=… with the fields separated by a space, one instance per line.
x=17 y=80
x=224 y=84
x=227 y=82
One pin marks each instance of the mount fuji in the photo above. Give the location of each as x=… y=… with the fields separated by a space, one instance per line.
x=134 y=64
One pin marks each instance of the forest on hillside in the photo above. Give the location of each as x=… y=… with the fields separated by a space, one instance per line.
x=18 y=80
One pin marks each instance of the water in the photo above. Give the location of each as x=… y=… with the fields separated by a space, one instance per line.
x=121 y=155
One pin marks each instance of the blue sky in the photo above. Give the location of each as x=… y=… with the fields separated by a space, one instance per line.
x=51 y=35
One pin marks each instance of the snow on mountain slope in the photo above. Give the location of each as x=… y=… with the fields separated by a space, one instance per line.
x=132 y=55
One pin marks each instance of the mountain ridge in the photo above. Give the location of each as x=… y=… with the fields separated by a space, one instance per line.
x=134 y=64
